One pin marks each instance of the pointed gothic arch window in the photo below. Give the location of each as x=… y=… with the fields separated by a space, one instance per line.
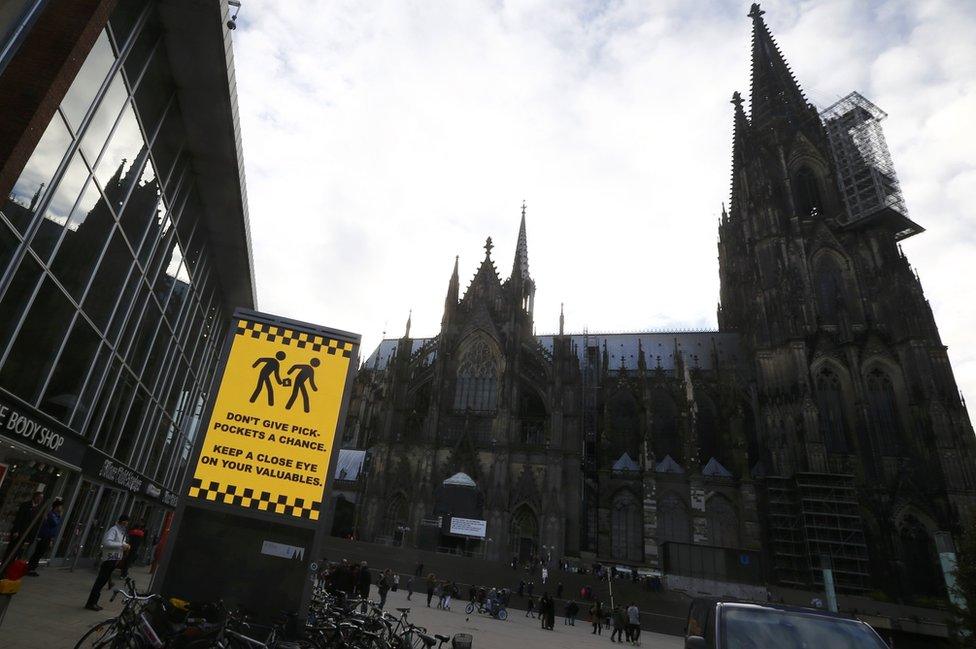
x=920 y=564
x=477 y=380
x=625 y=527
x=883 y=412
x=723 y=523
x=831 y=289
x=524 y=533
x=665 y=438
x=706 y=428
x=830 y=406
x=672 y=520
x=806 y=191
x=623 y=424
x=395 y=515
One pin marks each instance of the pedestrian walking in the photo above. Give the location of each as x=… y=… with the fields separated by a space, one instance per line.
x=633 y=623
x=418 y=570
x=619 y=621
x=530 y=587
x=114 y=545
x=45 y=536
x=596 y=617
x=572 y=610
x=431 y=582
x=383 y=586
x=20 y=528
x=545 y=575
x=559 y=590
x=449 y=592
x=409 y=587
x=521 y=588
x=396 y=581
x=530 y=607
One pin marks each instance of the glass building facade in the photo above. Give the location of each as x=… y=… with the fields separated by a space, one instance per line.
x=112 y=301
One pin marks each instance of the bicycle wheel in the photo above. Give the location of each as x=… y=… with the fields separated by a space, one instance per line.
x=100 y=635
x=469 y=609
x=502 y=614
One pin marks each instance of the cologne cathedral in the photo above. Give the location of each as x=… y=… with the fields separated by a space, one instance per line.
x=820 y=419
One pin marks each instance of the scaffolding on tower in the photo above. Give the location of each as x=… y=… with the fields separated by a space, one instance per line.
x=865 y=173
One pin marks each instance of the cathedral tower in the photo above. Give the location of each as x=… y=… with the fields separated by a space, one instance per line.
x=863 y=444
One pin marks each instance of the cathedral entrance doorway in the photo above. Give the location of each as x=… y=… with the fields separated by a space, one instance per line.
x=525 y=534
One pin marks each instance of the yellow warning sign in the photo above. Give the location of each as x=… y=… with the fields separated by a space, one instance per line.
x=273 y=424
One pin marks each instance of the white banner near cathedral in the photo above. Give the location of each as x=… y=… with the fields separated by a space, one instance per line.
x=469 y=527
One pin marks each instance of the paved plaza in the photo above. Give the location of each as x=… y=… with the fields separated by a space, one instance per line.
x=516 y=632
x=48 y=614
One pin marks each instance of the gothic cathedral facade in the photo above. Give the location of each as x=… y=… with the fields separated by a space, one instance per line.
x=821 y=419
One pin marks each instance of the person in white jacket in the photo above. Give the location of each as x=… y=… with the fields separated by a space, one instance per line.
x=114 y=545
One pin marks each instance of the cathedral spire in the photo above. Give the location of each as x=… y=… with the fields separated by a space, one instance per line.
x=740 y=130
x=406 y=333
x=453 y=291
x=562 y=319
x=775 y=93
x=520 y=269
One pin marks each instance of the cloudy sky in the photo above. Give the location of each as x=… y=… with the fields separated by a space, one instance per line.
x=383 y=138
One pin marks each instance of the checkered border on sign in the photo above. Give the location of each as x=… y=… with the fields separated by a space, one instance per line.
x=262 y=501
x=288 y=337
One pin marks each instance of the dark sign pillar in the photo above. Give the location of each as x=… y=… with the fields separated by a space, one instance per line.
x=251 y=518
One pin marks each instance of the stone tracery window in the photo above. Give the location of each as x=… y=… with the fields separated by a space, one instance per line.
x=883 y=412
x=723 y=524
x=830 y=290
x=806 y=191
x=477 y=380
x=830 y=403
x=673 y=523
x=625 y=528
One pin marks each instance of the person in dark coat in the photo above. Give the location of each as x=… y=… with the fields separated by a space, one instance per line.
x=431 y=583
x=559 y=590
x=45 y=536
x=572 y=610
x=22 y=522
x=384 y=586
x=363 y=581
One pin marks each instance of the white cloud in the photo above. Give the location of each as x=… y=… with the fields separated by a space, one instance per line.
x=383 y=138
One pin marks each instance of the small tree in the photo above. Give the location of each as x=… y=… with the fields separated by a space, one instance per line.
x=963 y=622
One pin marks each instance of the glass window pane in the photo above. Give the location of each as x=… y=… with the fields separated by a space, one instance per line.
x=124 y=304
x=164 y=250
x=44 y=161
x=33 y=352
x=173 y=270
x=143 y=206
x=128 y=434
x=91 y=387
x=119 y=165
x=115 y=405
x=135 y=60
x=62 y=206
x=154 y=91
x=112 y=272
x=86 y=84
x=147 y=332
x=168 y=143
x=17 y=298
x=101 y=124
x=124 y=18
x=85 y=238
x=8 y=244
x=62 y=393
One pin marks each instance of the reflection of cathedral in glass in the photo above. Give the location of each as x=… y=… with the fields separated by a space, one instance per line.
x=108 y=305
